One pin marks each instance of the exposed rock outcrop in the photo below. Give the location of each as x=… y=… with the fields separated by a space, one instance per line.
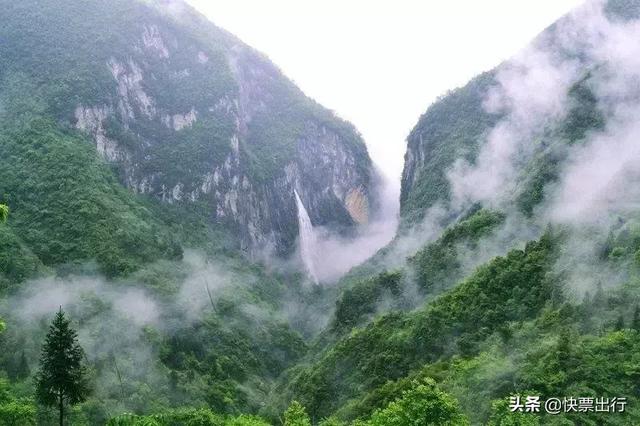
x=211 y=121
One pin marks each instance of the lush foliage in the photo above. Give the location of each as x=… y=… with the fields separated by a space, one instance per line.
x=511 y=288
x=185 y=417
x=434 y=268
x=423 y=404
x=175 y=337
x=68 y=207
x=438 y=265
x=296 y=415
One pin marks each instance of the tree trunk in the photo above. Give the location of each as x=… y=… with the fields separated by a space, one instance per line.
x=61 y=408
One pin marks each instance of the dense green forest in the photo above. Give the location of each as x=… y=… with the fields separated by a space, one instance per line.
x=122 y=307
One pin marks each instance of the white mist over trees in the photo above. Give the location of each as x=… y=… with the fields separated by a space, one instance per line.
x=513 y=267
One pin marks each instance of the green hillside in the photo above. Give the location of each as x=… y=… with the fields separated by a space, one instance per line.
x=170 y=311
x=542 y=318
x=148 y=161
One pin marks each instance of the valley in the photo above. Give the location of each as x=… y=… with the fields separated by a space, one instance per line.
x=227 y=253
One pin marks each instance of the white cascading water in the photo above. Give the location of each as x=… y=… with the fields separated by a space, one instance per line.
x=307 y=239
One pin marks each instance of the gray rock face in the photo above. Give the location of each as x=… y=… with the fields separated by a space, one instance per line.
x=452 y=128
x=209 y=121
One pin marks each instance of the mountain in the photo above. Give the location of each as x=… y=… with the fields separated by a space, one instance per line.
x=445 y=156
x=181 y=114
x=514 y=277
x=146 y=156
x=452 y=127
x=515 y=271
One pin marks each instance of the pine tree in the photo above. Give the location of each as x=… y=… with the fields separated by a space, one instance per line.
x=62 y=378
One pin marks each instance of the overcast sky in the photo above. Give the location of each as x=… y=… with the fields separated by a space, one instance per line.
x=379 y=64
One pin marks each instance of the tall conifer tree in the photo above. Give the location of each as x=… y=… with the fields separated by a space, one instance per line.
x=62 y=378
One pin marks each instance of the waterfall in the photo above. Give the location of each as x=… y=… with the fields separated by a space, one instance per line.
x=307 y=239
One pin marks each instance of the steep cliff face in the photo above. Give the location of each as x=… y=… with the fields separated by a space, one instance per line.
x=187 y=114
x=451 y=128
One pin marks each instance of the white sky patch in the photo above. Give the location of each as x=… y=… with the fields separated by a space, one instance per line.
x=379 y=64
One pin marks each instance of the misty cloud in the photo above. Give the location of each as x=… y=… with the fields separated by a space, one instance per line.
x=601 y=179
x=40 y=298
x=531 y=93
x=602 y=175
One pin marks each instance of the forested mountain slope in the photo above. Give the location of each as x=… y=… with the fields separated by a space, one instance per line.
x=145 y=157
x=180 y=112
x=519 y=192
x=516 y=271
